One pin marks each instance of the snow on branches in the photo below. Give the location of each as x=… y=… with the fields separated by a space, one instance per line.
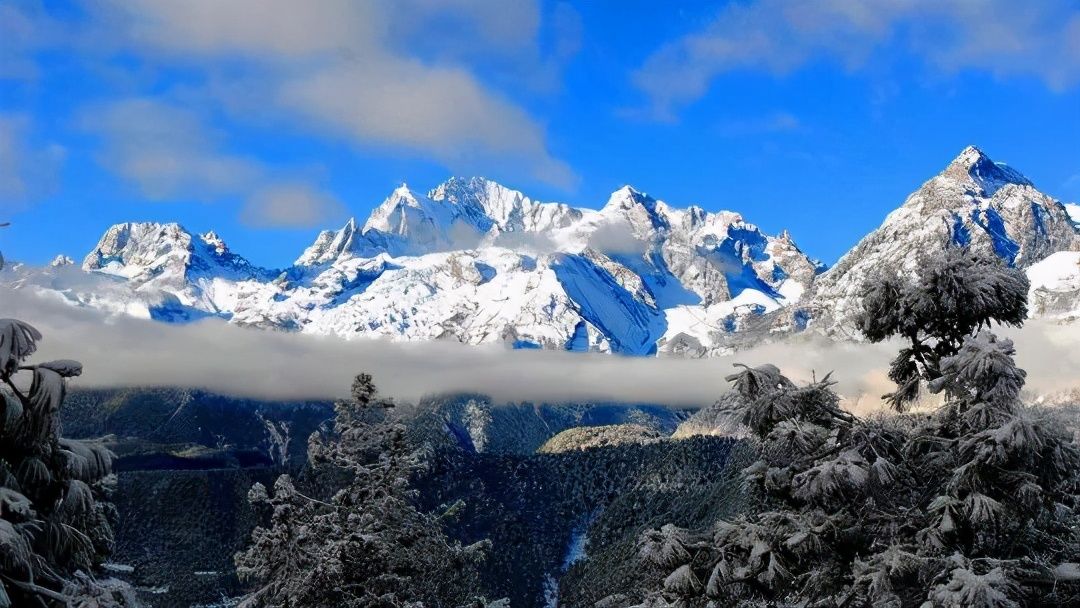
x=975 y=504
x=347 y=534
x=54 y=524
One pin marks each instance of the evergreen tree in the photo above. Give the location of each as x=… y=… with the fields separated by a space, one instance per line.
x=955 y=293
x=54 y=525
x=974 y=505
x=364 y=545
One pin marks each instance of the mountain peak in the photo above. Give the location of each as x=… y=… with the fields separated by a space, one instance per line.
x=629 y=191
x=465 y=191
x=330 y=245
x=458 y=182
x=974 y=167
x=645 y=213
x=628 y=196
x=969 y=157
x=145 y=238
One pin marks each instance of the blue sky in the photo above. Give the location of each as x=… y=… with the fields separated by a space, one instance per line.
x=268 y=121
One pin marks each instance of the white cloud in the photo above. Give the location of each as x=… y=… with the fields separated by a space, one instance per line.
x=23 y=32
x=290 y=204
x=778 y=122
x=167 y=151
x=442 y=110
x=28 y=170
x=1004 y=38
x=393 y=74
x=123 y=351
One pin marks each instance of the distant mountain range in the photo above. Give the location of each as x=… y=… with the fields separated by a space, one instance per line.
x=476 y=262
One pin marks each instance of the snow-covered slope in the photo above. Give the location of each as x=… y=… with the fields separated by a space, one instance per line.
x=470 y=261
x=1073 y=210
x=1055 y=287
x=975 y=201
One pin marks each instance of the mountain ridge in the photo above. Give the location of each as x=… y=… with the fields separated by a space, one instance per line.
x=475 y=261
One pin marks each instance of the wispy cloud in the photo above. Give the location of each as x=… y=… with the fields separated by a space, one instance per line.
x=777 y=122
x=28 y=169
x=168 y=152
x=290 y=204
x=1004 y=38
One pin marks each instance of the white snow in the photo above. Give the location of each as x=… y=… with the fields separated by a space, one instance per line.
x=1055 y=287
x=1059 y=270
x=1073 y=210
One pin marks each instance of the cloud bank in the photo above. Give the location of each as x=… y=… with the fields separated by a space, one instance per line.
x=122 y=351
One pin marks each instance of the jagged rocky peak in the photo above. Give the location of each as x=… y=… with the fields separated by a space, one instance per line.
x=331 y=245
x=138 y=244
x=166 y=254
x=61 y=261
x=975 y=167
x=629 y=198
x=425 y=224
x=491 y=207
x=480 y=198
x=645 y=214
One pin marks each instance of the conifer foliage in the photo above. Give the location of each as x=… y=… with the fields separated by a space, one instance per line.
x=355 y=540
x=54 y=523
x=972 y=505
x=955 y=293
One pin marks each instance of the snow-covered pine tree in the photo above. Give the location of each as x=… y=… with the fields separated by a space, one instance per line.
x=954 y=293
x=974 y=505
x=1003 y=526
x=823 y=485
x=356 y=540
x=54 y=523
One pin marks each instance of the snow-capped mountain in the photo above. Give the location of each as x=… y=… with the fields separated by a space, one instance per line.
x=188 y=272
x=476 y=262
x=470 y=261
x=986 y=205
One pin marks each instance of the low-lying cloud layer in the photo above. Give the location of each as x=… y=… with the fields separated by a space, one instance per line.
x=122 y=351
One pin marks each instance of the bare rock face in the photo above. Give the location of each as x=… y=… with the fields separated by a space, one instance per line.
x=974 y=201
